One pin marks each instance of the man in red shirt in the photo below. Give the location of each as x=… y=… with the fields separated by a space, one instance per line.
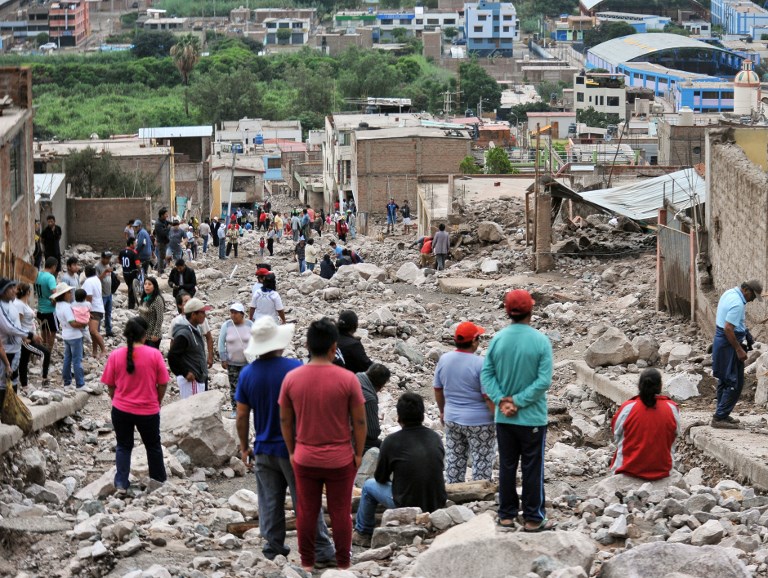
x=317 y=403
x=425 y=256
x=645 y=429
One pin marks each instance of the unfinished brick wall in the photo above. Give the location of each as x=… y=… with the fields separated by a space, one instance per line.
x=391 y=167
x=100 y=222
x=738 y=222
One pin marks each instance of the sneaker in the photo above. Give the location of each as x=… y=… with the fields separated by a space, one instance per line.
x=360 y=539
x=731 y=419
x=723 y=424
x=323 y=564
x=121 y=492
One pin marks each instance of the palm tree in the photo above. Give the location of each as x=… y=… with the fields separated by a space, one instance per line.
x=185 y=54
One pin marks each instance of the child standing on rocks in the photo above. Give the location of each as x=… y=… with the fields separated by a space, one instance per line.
x=72 y=333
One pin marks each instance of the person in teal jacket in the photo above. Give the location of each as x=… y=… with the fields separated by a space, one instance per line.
x=516 y=375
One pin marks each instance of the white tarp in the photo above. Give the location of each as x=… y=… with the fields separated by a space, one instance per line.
x=641 y=201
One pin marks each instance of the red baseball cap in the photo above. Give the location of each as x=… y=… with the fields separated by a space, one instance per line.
x=466 y=332
x=518 y=301
x=262 y=272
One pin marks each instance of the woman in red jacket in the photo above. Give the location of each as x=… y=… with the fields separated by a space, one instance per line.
x=645 y=429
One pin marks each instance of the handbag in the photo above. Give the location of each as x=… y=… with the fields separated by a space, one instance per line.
x=115 y=282
x=15 y=412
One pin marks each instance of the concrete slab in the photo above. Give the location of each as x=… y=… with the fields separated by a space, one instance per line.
x=36 y=525
x=459 y=284
x=42 y=417
x=742 y=451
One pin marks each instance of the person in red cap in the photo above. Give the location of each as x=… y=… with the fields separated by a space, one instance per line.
x=516 y=374
x=465 y=410
x=261 y=272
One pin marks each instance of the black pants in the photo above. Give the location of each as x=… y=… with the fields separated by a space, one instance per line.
x=27 y=351
x=148 y=427
x=129 y=277
x=270 y=246
x=523 y=444
x=229 y=248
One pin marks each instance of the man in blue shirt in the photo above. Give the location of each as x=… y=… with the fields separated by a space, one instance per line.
x=258 y=389
x=517 y=372
x=728 y=353
x=143 y=245
x=391 y=215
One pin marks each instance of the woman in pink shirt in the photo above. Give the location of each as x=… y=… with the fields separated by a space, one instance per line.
x=136 y=377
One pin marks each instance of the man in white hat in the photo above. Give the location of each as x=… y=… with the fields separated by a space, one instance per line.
x=257 y=390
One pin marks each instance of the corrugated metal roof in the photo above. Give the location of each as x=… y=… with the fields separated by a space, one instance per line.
x=626 y=48
x=642 y=201
x=46 y=184
x=176 y=132
x=589 y=4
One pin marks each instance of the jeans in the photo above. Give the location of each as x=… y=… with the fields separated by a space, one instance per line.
x=523 y=444
x=162 y=249
x=205 y=243
x=311 y=266
x=149 y=430
x=440 y=258
x=222 y=249
x=373 y=494
x=338 y=484
x=273 y=476
x=107 y=314
x=28 y=350
x=302 y=265
x=73 y=358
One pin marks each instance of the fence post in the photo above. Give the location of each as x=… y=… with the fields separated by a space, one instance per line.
x=659 y=257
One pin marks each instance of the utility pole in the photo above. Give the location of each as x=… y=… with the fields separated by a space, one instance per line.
x=543 y=219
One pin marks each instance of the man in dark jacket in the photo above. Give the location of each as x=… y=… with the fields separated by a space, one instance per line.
x=162 y=230
x=372 y=381
x=353 y=356
x=50 y=237
x=182 y=277
x=186 y=356
x=413 y=459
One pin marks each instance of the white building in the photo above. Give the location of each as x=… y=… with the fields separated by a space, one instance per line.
x=604 y=92
x=295 y=31
x=490 y=28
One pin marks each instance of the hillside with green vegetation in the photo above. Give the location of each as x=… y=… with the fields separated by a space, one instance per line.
x=118 y=93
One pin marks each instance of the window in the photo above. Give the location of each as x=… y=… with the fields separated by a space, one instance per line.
x=505 y=28
x=449 y=21
x=274 y=163
x=495 y=17
x=495 y=29
x=405 y=22
x=579 y=80
x=433 y=21
x=601 y=100
x=344 y=139
x=482 y=17
x=386 y=21
x=419 y=22
x=478 y=28
x=296 y=25
x=579 y=97
x=507 y=17
x=17 y=167
x=613 y=101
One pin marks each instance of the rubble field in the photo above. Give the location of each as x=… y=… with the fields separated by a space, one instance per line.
x=60 y=517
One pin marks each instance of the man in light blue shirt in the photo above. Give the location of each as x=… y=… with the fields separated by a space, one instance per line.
x=517 y=372
x=728 y=353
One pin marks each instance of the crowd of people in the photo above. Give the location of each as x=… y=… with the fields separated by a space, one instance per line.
x=313 y=421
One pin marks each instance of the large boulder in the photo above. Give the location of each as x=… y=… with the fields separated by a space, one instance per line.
x=663 y=559
x=647 y=348
x=194 y=425
x=370 y=272
x=490 y=232
x=611 y=348
x=311 y=283
x=409 y=272
x=683 y=386
x=479 y=549
x=345 y=276
x=761 y=393
x=606 y=489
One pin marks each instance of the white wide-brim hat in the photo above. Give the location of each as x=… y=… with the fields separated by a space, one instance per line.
x=61 y=288
x=267 y=335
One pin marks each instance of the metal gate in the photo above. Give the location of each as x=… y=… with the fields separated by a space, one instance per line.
x=675 y=275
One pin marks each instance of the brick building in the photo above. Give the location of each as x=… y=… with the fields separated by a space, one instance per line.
x=736 y=239
x=69 y=22
x=17 y=199
x=388 y=162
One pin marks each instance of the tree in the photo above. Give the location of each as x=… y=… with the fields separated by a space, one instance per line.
x=185 y=54
x=399 y=34
x=497 y=162
x=41 y=39
x=607 y=31
x=468 y=166
x=226 y=96
x=283 y=35
x=477 y=84
x=591 y=117
x=96 y=175
x=155 y=43
x=450 y=32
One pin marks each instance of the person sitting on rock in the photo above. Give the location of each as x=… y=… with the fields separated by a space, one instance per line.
x=645 y=429
x=327 y=268
x=372 y=381
x=413 y=458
